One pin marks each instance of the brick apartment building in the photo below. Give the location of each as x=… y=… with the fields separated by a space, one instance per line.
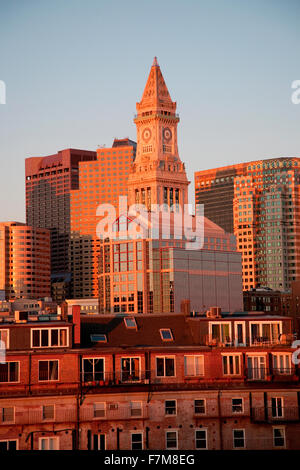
x=215 y=381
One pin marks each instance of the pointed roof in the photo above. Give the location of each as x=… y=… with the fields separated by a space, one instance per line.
x=156 y=94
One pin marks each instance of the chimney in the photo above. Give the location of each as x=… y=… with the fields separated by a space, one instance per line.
x=185 y=306
x=64 y=311
x=76 y=324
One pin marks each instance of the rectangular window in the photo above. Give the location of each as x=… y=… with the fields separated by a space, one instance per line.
x=49 y=443
x=8 y=414
x=220 y=332
x=93 y=369
x=237 y=405
x=282 y=364
x=49 y=337
x=200 y=439
x=170 y=407
x=48 y=370
x=9 y=372
x=130 y=369
x=171 y=440
x=4 y=337
x=238 y=438
x=48 y=412
x=231 y=364
x=279 y=437
x=99 y=410
x=256 y=367
x=99 y=442
x=193 y=366
x=199 y=406
x=277 y=407
x=137 y=441
x=136 y=408
x=8 y=445
x=165 y=366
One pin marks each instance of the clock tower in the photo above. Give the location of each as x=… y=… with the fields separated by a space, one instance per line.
x=157 y=175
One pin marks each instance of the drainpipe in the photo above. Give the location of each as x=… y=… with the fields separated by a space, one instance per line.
x=220 y=420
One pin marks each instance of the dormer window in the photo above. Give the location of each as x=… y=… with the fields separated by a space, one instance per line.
x=166 y=334
x=130 y=323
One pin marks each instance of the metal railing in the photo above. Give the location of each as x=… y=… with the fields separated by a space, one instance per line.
x=275 y=414
x=114 y=411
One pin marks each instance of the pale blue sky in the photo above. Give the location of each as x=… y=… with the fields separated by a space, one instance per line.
x=75 y=69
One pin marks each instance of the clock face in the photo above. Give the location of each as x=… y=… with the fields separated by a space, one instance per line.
x=167 y=134
x=146 y=135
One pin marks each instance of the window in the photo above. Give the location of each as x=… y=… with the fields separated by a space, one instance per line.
x=262 y=332
x=99 y=338
x=277 y=407
x=237 y=405
x=282 y=363
x=48 y=412
x=48 y=443
x=8 y=445
x=193 y=365
x=49 y=337
x=220 y=332
x=99 y=410
x=99 y=442
x=201 y=439
x=130 y=369
x=136 y=408
x=231 y=364
x=240 y=333
x=238 y=438
x=166 y=334
x=170 y=407
x=130 y=323
x=9 y=372
x=165 y=366
x=4 y=337
x=48 y=370
x=93 y=369
x=199 y=406
x=279 y=437
x=8 y=414
x=171 y=440
x=137 y=441
x=256 y=367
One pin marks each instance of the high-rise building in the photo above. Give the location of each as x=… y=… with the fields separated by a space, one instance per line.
x=24 y=261
x=153 y=275
x=101 y=181
x=259 y=202
x=49 y=181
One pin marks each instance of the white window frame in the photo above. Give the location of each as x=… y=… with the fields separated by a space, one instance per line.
x=277 y=355
x=8 y=336
x=166 y=440
x=220 y=323
x=200 y=414
x=258 y=355
x=244 y=438
x=49 y=337
x=227 y=355
x=261 y=323
x=236 y=323
x=284 y=437
x=194 y=356
x=206 y=443
x=232 y=405
x=140 y=366
x=14 y=381
x=54 y=438
x=171 y=414
x=54 y=412
x=58 y=371
x=277 y=407
x=169 y=331
x=137 y=431
x=11 y=440
x=96 y=406
x=93 y=359
x=133 y=407
x=164 y=358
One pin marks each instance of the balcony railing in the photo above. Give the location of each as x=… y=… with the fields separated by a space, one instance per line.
x=35 y=416
x=275 y=415
x=256 y=444
x=114 y=412
x=258 y=373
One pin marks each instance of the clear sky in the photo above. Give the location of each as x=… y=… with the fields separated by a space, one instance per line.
x=74 y=70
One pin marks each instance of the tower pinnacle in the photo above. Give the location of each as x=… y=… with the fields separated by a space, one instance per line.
x=155 y=63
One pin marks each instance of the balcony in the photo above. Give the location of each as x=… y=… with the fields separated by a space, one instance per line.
x=115 y=411
x=109 y=379
x=275 y=415
x=258 y=374
x=35 y=416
